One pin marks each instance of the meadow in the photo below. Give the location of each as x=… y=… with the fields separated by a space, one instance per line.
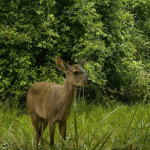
x=112 y=126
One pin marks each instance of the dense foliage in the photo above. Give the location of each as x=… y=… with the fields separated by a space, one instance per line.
x=114 y=36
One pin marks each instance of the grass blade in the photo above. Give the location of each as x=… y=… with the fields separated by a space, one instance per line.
x=129 y=125
x=64 y=142
x=101 y=123
x=106 y=140
x=75 y=122
x=102 y=140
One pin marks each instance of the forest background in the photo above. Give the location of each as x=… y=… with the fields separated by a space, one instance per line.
x=114 y=36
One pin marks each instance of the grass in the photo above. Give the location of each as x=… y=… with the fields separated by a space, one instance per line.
x=89 y=127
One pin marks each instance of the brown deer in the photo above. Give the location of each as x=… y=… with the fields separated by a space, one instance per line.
x=49 y=103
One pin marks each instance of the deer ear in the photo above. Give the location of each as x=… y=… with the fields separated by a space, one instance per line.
x=61 y=64
x=81 y=63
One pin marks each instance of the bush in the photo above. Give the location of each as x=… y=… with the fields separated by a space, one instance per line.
x=112 y=35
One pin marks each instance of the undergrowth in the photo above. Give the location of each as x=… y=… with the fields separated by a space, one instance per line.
x=90 y=126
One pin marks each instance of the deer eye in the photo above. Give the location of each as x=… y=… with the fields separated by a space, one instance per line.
x=76 y=73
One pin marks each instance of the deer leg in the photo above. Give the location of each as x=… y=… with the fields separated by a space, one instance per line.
x=52 y=133
x=62 y=129
x=43 y=126
x=35 y=121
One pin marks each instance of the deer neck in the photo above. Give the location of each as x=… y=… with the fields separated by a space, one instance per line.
x=70 y=90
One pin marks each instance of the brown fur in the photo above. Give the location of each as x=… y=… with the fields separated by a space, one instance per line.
x=49 y=103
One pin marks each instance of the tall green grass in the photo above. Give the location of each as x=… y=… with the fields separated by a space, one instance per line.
x=89 y=127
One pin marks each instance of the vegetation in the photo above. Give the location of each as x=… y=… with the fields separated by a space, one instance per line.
x=114 y=36
x=113 y=127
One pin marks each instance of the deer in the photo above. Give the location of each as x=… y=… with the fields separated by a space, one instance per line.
x=50 y=103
